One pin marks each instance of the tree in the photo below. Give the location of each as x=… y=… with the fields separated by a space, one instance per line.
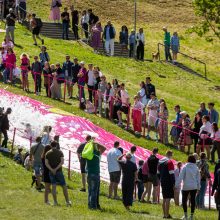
x=209 y=12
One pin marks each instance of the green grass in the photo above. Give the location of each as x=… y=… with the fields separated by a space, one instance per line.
x=19 y=201
x=178 y=87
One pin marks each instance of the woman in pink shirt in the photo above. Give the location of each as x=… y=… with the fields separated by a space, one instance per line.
x=9 y=65
x=25 y=67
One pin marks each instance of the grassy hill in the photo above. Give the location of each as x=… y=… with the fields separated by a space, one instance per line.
x=19 y=201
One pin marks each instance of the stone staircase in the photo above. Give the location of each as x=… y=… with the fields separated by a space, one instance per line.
x=54 y=30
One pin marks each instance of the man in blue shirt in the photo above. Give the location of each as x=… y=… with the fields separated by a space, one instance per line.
x=213 y=114
x=109 y=37
x=132 y=39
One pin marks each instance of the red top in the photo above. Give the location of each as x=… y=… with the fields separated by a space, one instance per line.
x=10 y=60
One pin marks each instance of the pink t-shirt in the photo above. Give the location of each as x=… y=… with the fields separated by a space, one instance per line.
x=10 y=60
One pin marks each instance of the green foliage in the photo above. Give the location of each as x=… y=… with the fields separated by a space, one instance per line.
x=209 y=11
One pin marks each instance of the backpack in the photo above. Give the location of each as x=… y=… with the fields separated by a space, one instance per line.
x=39 y=22
x=88 y=151
x=202 y=170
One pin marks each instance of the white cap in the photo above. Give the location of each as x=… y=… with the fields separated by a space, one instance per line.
x=82 y=62
x=183 y=113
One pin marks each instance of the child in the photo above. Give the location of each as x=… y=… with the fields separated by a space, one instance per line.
x=137 y=113
x=25 y=67
x=89 y=107
x=140 y=183
x=18 y=158
x=177 y=190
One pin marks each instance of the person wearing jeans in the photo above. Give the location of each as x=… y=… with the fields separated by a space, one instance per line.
x=65 y=23
x=5 y=127
x=190 y=176
x=167 y=42
x=109 y=37
x=93 y=178
x=205 y=175
x=10 y=25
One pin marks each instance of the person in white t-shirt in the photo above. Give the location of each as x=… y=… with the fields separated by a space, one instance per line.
x=125 y=104
x=90 y=83
x=152 y=106
x=114 y=169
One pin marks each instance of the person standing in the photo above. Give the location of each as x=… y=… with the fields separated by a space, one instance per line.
x=67 y=71
x=55 y=10
x=204 y=179
x=82 y=80
x=35 y=156
x=5 y=127
x=75 y=71
x=213 y=114
x=216 y=142
x=175 y=46
x=167 y=179
x=167 y=44
x=129 y=177
x=93 y=177
x=190 y=177
x=82 y=162
x=109 y=37
x=152 y=106
x=163 y=124
x=114 y=169
x=132 y=41
x=36 y=25
x=123 y=38
x=125 y=104
x=75 y=22
x=47 y=73
x=10 y=25
x=85 y=23
x=90 y=84
x=54 y=160
x=36 y=70
x=22 y=9
x=177 y=187
x=203 y=109
x=152 y=175
x=65 y=16
x=44 y=56
x=140 y=180
x=150 y=88
x=96 y=32
x=140 y=38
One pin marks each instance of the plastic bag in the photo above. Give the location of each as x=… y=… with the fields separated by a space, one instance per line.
x=88 y=151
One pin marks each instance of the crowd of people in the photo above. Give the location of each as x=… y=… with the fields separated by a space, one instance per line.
x=148 y=176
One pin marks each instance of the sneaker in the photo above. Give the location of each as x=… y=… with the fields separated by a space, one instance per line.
x=55 y=204
x=120 y=124
x=184 y=218
x=35 y=44
x=82 y=190
x=42 y=41
x=69 y=203
x=191 y=217
x=47 y=203
x=169 y=216
x=148 y=137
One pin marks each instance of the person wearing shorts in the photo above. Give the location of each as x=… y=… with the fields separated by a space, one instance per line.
x=67 y=71
x=35 y=155
x=82 y=162
x=54 y=159
x=114 y=169
x=125 y=104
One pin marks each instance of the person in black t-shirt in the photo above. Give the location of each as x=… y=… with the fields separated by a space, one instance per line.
x=150 y=88
x=82 y=162
x=65 y=16
x=140 y=183
x=152 y=176
x=129 y=177
x=75 y=71
x=10 y=24
x=75 y=22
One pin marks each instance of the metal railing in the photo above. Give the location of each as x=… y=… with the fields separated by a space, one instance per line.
x=187 y=56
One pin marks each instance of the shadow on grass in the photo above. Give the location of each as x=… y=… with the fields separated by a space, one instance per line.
x=140 y=212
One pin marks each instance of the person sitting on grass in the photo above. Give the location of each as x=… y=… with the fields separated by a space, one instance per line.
x=89 y=107
x=18 y=158
x=54 y=160
x=114 y=169
x=125 y=104
x=129 y=177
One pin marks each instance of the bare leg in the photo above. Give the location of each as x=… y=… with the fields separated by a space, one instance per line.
x=54 y=193
x=119 y=116
x=208 y=152
x=34 y=38
x=145 y=191
x=115 y=187
x=155 y=188
x=111 y=185
x=46 y=193
x=38 y=181
x=84 y=180
x=65 y=193
x=176 y=197
x=149 y=191
x=164 y=207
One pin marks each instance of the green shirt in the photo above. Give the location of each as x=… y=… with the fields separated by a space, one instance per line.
x=93 y=166
x=167 y=38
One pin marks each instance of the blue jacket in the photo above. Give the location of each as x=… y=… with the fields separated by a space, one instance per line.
x=213 y=114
